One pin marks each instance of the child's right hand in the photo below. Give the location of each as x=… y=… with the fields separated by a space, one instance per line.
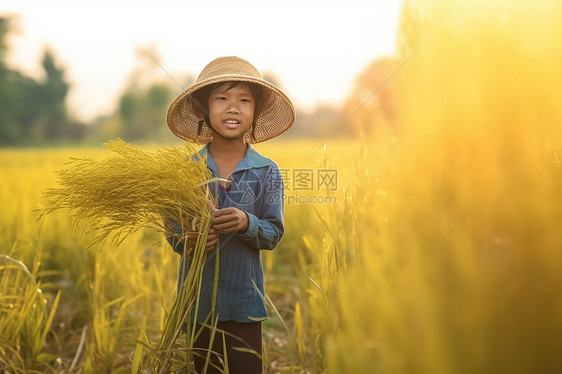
x=212 y=239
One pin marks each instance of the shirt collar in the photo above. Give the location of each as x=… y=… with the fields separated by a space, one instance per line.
x=251 y=160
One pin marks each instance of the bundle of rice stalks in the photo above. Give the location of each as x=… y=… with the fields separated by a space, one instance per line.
x=134 y=189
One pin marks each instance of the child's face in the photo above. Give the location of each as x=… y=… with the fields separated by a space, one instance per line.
x=231 y=110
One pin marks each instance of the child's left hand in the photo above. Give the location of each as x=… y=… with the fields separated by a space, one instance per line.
x=228 y=220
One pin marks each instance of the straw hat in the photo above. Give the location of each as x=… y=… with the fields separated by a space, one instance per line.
x=276 y=114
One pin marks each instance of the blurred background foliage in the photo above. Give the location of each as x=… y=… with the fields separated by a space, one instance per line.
x=35 y=112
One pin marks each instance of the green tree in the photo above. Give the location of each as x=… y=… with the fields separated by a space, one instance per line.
x=52 y=94
x=9 y=90
x=143 y=111
x=33 y=111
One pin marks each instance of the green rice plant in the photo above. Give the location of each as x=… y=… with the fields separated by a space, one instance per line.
x=25 y=319
x=107 y=323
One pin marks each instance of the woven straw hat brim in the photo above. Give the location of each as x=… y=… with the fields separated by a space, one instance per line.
x=276 y=114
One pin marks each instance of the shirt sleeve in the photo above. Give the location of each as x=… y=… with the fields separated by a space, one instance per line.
x=174 y=241
x=265 y=232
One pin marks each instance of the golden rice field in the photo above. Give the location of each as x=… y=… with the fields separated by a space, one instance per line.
x=440 y=254
x=107 y=295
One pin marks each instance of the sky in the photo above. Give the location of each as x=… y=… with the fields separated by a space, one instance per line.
x=315 y=48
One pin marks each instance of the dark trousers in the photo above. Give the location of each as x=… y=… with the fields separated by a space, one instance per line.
x=236 y=334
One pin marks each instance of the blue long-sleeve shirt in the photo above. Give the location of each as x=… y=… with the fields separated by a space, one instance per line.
x=257 y=190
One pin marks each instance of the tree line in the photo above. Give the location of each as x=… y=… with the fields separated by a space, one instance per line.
x=35 y=112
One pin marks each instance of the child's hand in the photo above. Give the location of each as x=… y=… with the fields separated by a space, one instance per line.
x=228 y=220
x=212 y=238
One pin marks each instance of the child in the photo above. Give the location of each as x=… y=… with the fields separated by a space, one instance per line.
x=229 y=106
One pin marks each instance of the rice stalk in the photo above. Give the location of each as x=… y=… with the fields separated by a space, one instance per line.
x=267 y=300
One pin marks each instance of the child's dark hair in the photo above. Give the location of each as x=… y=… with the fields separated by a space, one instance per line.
x=202 y=95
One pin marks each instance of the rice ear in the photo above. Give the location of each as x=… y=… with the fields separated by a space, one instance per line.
x=132 y=189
